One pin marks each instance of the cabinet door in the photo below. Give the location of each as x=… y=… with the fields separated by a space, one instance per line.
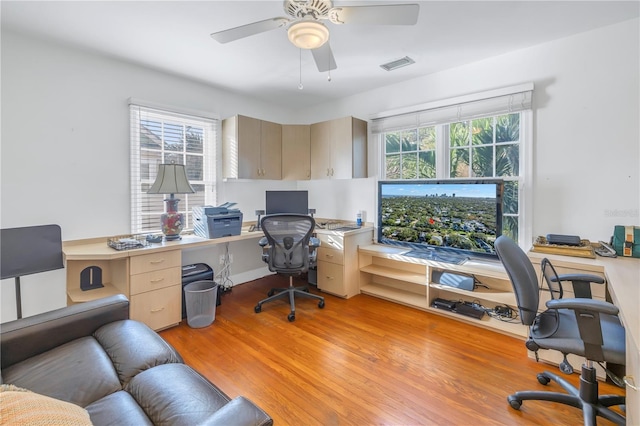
x=270 y=150
x=248 y=147
x=341 y=148
x=331 y=278
x=296 y=152
x=321 y=150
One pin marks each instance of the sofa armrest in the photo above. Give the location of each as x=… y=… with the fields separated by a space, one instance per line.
x=239 y=412
x=23 y=338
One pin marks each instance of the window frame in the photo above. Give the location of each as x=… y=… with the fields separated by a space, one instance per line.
x=141 y=203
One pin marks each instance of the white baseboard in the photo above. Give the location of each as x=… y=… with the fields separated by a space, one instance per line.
x=251 y=275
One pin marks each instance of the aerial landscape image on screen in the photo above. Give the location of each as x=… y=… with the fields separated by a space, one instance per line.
x=461 y=216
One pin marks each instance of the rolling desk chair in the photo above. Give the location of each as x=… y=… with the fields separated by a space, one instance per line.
x=581 y=326
x=289 y=249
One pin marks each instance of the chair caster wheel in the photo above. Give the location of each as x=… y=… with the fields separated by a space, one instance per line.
x=542 y=379
x=514 y=402
x=270 y=293
x=291 y=317
x=258 y=309
x=321 y=304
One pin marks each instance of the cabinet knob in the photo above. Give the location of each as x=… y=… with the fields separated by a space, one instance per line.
x=329 y=278
x=155 y=262
x=330 y=256
x=328 y=172
x=332 y=171
x=157 y=280
x=153 y=311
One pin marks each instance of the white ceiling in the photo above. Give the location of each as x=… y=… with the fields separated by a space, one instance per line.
x=173 y=36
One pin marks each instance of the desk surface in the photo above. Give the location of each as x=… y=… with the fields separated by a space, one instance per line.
x=97 y=248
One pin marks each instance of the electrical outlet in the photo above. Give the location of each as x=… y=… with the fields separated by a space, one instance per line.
x=222 y=259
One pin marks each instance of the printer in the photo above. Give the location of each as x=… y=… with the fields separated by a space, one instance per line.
x=216 y=222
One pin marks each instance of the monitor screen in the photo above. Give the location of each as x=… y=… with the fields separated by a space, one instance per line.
x=287 y=202
x=459 y=216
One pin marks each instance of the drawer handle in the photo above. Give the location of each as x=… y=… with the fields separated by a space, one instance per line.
x=157 y=280
x=329 y=278
x=628 y=380
x=153 y=311
x=155 y=262
x=330 y=256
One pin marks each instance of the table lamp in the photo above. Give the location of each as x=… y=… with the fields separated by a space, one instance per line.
x=171 y=179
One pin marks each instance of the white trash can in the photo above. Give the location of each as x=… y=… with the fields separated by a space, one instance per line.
x=200 y=300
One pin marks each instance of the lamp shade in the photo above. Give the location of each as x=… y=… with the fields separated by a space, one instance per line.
x=171 y=179
x=308 y=34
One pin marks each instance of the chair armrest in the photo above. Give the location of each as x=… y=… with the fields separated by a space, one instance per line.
x=584 y=304
x=239 y=412
x=26 y=337
x=579 y=277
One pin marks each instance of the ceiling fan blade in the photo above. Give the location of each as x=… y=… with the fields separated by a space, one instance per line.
x=391 y=14
x=324 y=58
x=249 y=29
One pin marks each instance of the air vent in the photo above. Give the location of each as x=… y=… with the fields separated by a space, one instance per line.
x=398 y=63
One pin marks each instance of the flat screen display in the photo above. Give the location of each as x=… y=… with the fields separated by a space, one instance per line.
x=287 y=202
x=454 y=216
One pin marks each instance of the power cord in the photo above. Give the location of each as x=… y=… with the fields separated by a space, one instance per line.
x=222 y=278
x=500 y=312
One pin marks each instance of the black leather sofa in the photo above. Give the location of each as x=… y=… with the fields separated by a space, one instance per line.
x=119 y=370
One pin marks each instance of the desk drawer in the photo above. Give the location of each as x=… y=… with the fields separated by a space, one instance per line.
x=148 y=281
x=330 y=255
x=155 y=261
x=331 y=241
x=331 y=278
x=158 y=309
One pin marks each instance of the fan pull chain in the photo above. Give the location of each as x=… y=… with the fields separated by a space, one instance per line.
x=300 y=86
x=329 y=68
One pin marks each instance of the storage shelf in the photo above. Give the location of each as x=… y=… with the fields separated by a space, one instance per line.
x=481 y=293
x=515 y=328
x=77 y=296
x=396 y=274
x=396 y=295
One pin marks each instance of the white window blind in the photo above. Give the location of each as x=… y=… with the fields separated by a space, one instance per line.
x=163 y=136
x=496 y=102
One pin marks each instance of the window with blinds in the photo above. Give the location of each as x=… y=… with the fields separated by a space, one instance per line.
x=483 y=136
x=162 y=136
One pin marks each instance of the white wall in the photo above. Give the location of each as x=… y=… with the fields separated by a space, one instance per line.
x=65 y=139
x=65 y=147
x=586 y=114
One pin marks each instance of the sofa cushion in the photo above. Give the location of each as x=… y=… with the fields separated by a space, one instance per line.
x=79 y=372
x=176 y=394
x=129 y=358
x=117 y=409
x=22 y=407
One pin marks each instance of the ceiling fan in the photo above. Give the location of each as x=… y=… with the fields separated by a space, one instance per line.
x=306 y=31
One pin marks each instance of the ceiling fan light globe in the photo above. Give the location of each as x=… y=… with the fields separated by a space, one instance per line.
x=308 y=34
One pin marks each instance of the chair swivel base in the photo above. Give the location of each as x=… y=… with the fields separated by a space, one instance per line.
x=586 y=398
x=291 y=292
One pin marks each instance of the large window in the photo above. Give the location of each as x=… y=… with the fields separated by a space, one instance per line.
x=157 y=137
x=457 y=144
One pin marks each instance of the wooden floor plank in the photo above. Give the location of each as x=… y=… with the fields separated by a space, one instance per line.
x=366 y=361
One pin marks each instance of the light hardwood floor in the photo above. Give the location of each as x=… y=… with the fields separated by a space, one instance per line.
x=366 y=361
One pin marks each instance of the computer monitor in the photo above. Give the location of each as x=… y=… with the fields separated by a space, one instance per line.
x=287 y=202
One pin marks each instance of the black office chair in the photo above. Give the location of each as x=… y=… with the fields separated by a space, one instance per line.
x=289 y=249
x=581 y=284
x=581 y=326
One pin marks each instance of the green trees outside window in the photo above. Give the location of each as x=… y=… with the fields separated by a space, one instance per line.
x=483 y=147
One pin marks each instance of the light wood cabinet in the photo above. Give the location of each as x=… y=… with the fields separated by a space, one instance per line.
x=252 y=148
x=296 y=152
x=385 y=273
x=337 y=260
x=339 y=149
x=151 y=281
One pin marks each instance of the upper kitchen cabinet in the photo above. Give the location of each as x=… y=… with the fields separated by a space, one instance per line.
x=296 y=152
x=252 y=148
x=339 y=149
